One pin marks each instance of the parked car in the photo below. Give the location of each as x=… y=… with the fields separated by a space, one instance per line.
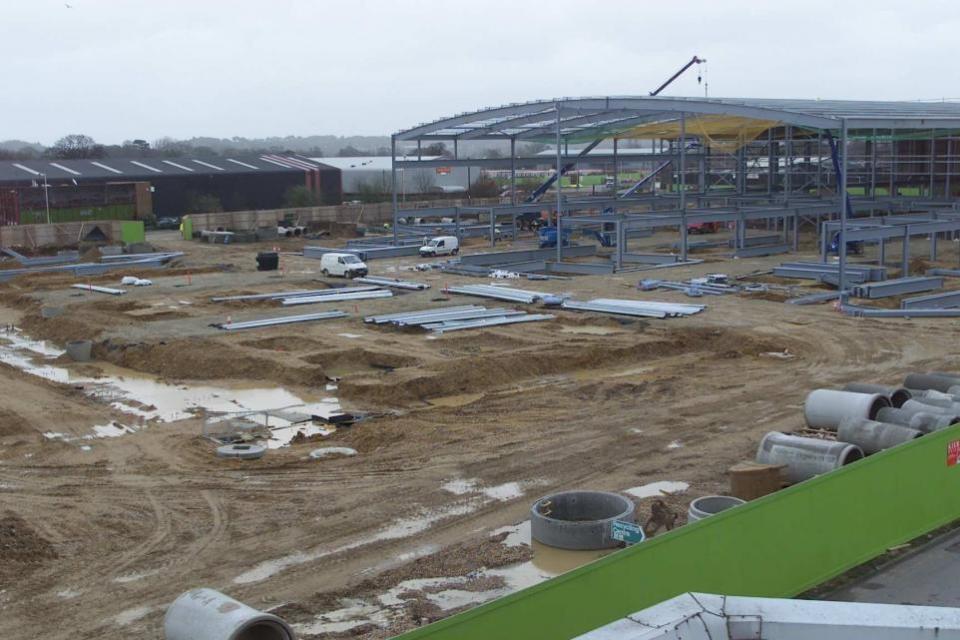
x=168 y=222
x=345 y=265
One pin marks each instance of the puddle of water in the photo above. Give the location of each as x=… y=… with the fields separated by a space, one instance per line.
x=504 y=492
x=69 y=594
x=151 y=399
x=654 y=489
x=324 y=452
x=458 y=400
x=636 y=431
x=131 y=615
x=501 y=492
x=350 y=335
x=460 y=486
x=401 y=558
x=591 y=330
x=517 y=535
x=355 y=613
x=547 y=561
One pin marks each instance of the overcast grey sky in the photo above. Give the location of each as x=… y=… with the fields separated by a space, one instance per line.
x=124 y=69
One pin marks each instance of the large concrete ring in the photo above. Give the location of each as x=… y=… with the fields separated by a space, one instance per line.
x=578 y=519
x=242 y=451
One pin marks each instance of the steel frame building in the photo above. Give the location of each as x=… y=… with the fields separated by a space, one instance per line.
x=803 y=156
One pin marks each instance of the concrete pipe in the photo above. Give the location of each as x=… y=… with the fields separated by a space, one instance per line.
x=578 y=520
x=205 y=614
x=938 y=405
x=935 y=381
x=872 y=436
x=709 y=505
x=896 y=395
x=805 y=458
x=915 y=406
x=936 y=398
x=926 y=422
x=825 y=408
x=242 y=451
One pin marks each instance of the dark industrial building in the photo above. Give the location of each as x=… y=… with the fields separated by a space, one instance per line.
x=120 y=188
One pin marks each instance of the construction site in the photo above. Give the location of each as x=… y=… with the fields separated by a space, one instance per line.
x=542 y=413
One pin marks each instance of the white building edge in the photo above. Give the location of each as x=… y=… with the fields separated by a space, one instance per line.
x=703 y=616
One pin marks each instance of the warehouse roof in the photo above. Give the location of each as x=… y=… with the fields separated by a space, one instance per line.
x=366 y=163
x=125 y=169
x=597 y=117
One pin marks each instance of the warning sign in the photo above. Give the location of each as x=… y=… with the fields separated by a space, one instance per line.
x=444 y=171
x=953 y=453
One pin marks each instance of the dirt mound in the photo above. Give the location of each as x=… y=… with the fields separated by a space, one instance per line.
x=12 y=423
x=203 y=359
x=21 y=548
x=485 y=371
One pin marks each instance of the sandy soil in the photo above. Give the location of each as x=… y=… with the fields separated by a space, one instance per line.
x=98 y=535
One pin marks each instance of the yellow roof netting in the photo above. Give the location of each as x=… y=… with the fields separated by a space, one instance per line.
x=726 y=133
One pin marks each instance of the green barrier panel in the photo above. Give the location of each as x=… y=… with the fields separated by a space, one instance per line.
x=777 y=546
x=131 y=232
x=186 y=227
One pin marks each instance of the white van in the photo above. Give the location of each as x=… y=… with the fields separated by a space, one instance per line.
x=441 y=246
x=346 y=265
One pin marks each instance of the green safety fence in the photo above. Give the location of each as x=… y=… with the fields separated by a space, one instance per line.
x=777 y=546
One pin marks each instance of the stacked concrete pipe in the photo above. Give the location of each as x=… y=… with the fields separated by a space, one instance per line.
x=921 y=421
x=915 y=406
x=826 y=408
x=205 y=614
x=804 y=458
x=896 y=395
x=937 y=381
x=872 y=436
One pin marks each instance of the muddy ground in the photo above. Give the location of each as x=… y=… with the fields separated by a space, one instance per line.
x=99 y=534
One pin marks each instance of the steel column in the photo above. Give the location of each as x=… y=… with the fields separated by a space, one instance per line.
x=559 y=191
x=933 y=145
x=905 y=257
x=616 y=169
x=683 y=186
x=513 y=170
x=770 y=161
x=788 y=163
x=393 y=184
x=819 y=162
x=842 y=245
x=873 y=164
